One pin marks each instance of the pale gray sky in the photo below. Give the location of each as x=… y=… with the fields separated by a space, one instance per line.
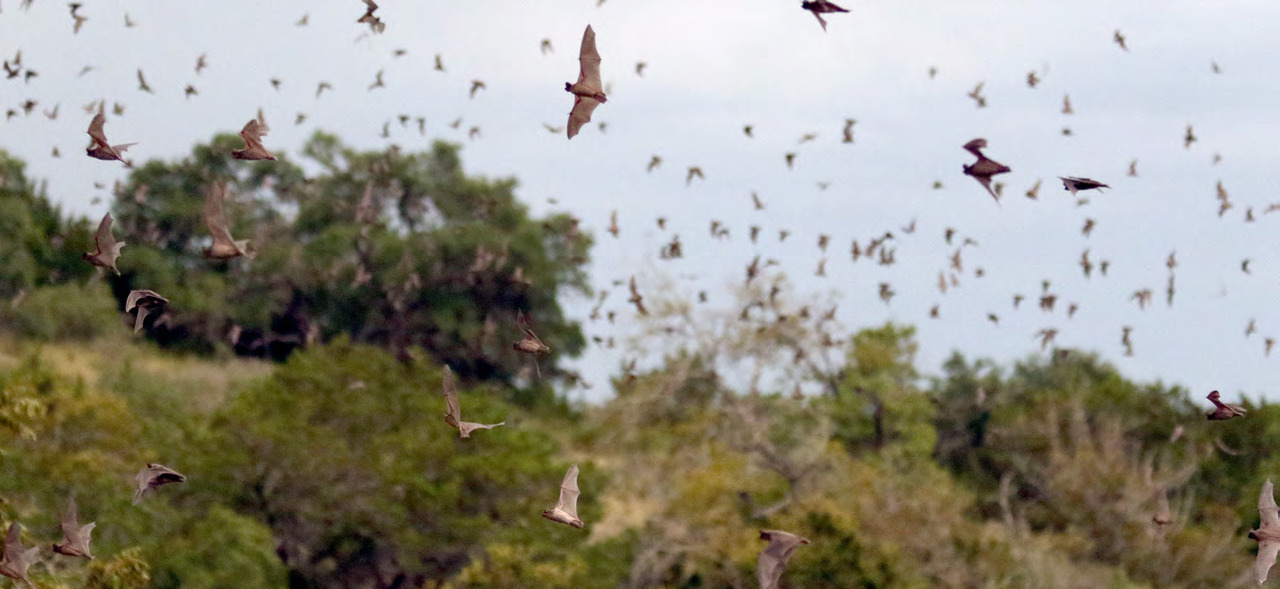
x=714 y=66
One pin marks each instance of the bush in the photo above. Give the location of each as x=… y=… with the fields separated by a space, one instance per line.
x=62 y=312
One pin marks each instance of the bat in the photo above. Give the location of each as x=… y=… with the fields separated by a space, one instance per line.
x=146 y=302
x=820 y=7
x=773 y=559
x=223 y=247
x=100 y=148
x=588 y=91
x=155 y=475
x=253 y=149
x=1074 y=184
x=1223 y=411
x=529 y=344
x=1267 y=534
x=16 y=558
x=983 y=169
x=106 y=248
x=454 y=415
x=75 y=536
x=566 y=509
x=375 y=23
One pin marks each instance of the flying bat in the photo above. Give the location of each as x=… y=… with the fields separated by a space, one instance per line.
x=588 y=91
x=155 y=475
x=106 y=248
x=101 y=149
x=17 y=559
x=253 y=149
x=820 y=7
x=773 y=559
x=223 y=247
x=375 y=23
x=1223 y=411
x=529 y=344
x=1267 y=534
x=146 y=302
x=566 y=509
x=75 y=536
x=983 y=169
x=454 y=415
x=1074 y=184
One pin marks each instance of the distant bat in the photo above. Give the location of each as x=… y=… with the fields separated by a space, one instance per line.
x=820 y=7
x=454 y=415
x=223 y=247
x=566 y=509
x=75 y=536
x=106 y=248
x=17 y=559
x=154 y=475
x=1074 y=184
x=253 y=149
x=529 y=344
x=773 y=559
x=1223 y=411
x=1267 y=534
x=1119 y=38
x=142 y=83
x=983 y=169
x=101 y=149
x=146 y=302
x=588 y=92
x=375 y=23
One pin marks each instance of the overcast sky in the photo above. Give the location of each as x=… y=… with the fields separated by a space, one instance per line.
x=714 y=66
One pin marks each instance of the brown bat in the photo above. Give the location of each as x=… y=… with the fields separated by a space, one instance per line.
x=100 y=148
x=106 y=248
x=983 y=169
x=75 y=536
x=638 y=300
x=375 y=23
x=16 y=558
x=146 y=302
x=454 y=415
x=1267 y=534
x=566 y=509
x=154 y=475
x=820 y=7
x=253 y=149
x=223 y=247
x=1073 y=184
x=529 y=344
x=588 y=91
x=1223 y=411
x=773 y=559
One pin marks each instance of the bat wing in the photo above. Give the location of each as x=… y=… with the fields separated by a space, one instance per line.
x=252 y=135
x=106 y=242
x=96 y=132
x=70 y=517
x=1267 y=508
x=215 y=218
x=13 y=540
x=569 y=493
x=583 y=106
x=1267 y=550
x=454 y=415
x=589 y=60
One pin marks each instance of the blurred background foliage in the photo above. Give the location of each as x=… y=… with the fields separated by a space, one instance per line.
x=333 y=467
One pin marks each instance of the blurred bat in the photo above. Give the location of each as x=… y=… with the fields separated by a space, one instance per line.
x=154 y=475
x=223 y=247
x=1223 y=411
x=983 y=169
x=100 y=148
x=253 y=149
x=566 y=509
x=1267 y=534
x=454 y=415
x=145 y=301
x=75 y=536
x=588 y=91
x=773 y=559
x=820 y=7
x=17 y=559
x=1074 y=184
x=106 y=248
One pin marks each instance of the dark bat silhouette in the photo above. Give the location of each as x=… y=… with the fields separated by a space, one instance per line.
x=75 y=536
x=253 y=148
x=588 y=91
x=223 y=247
x=454 y=415
x=983 y=169
x=375 y=23
x=1267 y=534
x=773 y=559
x=100 y=148
x=18 y=559
x=1073 y=184
x=1223 y=411
x=154 y=475
x=146 y=302
x=106 y=248
x=820 y=7
x=566 y=509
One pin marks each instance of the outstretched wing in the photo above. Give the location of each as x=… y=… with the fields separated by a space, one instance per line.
x=1267 y=507
x=1267 y=550
x=583 y=106
x=70 y=517
x=13 y=540
x=569 y=492
x=589 y=60
x=252 y=135
x=214 y=217
x=95 y=130
x=103 y=239
x=454 y=415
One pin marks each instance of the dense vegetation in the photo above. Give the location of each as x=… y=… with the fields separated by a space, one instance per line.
x=335 y=469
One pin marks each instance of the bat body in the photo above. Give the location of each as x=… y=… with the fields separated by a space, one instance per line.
x=100 y=148
x=1073 y=184
x=106 y=248
x=454 y=415
x=17 y=559
x=154 y=475
x=223 y=247
x=588 y=91
x=146 y=302
x=566 y=509
x=820 y=7
x=773 y=559
x=1223 y=411
x=75 y=536
x=983 y=169
x=253 y=148
x=1267 y=534
x=529 y=344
